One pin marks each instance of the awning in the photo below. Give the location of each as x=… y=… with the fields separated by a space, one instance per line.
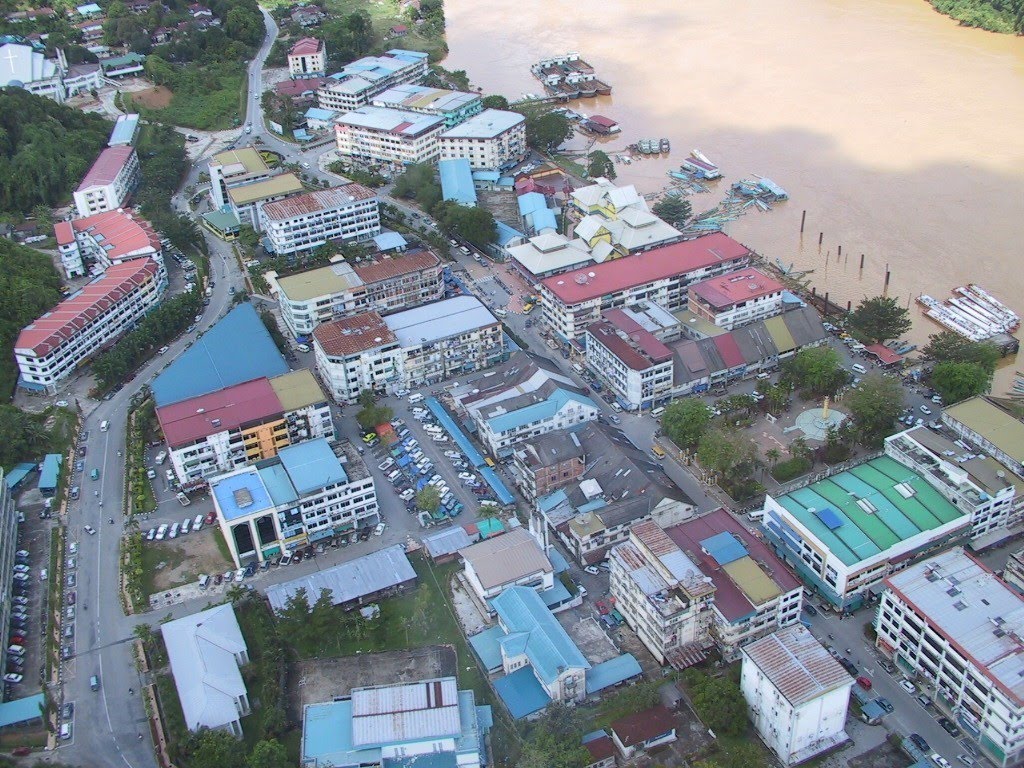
x=884 y=355
x=685 y=656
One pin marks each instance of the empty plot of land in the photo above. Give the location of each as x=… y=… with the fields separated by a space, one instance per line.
x=589 y=638
x=317 y=680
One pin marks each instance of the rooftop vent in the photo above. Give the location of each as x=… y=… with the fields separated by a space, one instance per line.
x=243 y=498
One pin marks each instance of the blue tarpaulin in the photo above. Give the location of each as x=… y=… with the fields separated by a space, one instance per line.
x=474 y=456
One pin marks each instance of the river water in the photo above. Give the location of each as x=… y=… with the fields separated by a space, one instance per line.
x=900 y=133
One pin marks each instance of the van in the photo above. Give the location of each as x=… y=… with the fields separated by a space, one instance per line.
x=161 y=457
x=762 y=376
x=169 y=474
x=16 y=650
x=65 y=731
x=858 y=368
x=94 y=682
x=500 y=313
x=657 y=452
x=183 y=500
x=104 y=425
x=394 y=475
x=302 y=347
x=656 y=413
x=616 y=407
x=415 y=397
x=204 y=580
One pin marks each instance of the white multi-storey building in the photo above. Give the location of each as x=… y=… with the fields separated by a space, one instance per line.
x=736 y=299
x=796 y=693
x=50 y=348
x=453 y=106
x=491 y=140
x=632 y=361
x=573 y=300
x=384 y=284
x=951 y=621
x=304 y=222
x=978 y=485
x=391 y=136
x=411 y=348
x=843 y=535
x=105 y=239
x=307 y=58
x=306 y=493
x=233 y=168
x=357 y=353
x=110 y=181
x=247 y=422
x=359 y=81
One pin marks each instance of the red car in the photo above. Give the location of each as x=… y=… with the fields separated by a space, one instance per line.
x=17 y=640
x=210 y=517
x=864 y=683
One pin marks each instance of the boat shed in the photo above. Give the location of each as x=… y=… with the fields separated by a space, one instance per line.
x=883 y=354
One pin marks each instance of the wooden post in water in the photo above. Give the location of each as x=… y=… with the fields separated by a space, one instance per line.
x=840 y=250
x=849 y=305
x=803 y=220
x=887 y=275
x=821 y=236
x=862 y=261
x=825 y=312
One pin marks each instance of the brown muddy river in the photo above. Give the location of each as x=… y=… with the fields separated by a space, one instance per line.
x=900 y=133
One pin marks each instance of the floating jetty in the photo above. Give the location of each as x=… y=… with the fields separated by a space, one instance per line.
x=760 y=188
x=972 y=312
x=569 y=77
x=699 y=165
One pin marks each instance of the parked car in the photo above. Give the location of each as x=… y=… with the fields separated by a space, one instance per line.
x=864 y=683
x=379 y=529
x=90 y=530
x=592 y=569
x=885 y=704
x=949 y=727
x=908 y=686
x=811 y=610
x=918 y=741
x=888 y=666
x=939 y=760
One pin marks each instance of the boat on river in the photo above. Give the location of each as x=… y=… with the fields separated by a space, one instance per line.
x=698 y=164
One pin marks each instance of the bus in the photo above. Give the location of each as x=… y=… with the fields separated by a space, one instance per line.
x=657 y=452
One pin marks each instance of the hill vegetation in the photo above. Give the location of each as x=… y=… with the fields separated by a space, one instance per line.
x=29 y=286
x=1005 y=16
x=45 y=150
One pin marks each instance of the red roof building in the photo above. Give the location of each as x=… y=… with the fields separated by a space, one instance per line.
x=224 y=410
x=109 y=182
x=297 y=89
x=306 y=46
x=883 y=354
x=51 y=347
x=644 y=730
x=348 y=336
x=107 y=238
x=737 y=298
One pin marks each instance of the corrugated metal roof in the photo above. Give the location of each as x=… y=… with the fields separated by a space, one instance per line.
x=439 y=320
x=797 y=664
x=507 y=558
x=312 y=465
x=405 y=712
x=349 y=581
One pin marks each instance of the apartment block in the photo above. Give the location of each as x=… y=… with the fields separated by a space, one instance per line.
x=97 y=242
x=109 y=182
x=843 y=535
x=307 y=58
x=574 y=300
x=235 y=167
x=736 y=299
x=304 y=222
x=306 y=493
x=359 y=81
x=244 y=423
x=547 y=463
x=453 y=106
x=951 y=621
x=989 y=492
x=983 y=422
x=798 y=696
x=491 y=140
x=357 y=353
x=384 y=284
x=392 y=136
x=635 y=364
x=51 y=348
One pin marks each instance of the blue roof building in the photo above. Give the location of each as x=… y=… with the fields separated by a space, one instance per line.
x=125 y=129
x=238 y=348
x=501 y=425
x=457 y=182
x=49 y=474
x=18 y=474
x=426 y=724
x=533 y=207
x=533 y=636
x=300 y=496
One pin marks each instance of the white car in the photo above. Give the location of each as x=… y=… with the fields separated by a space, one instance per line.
x=379 y=529
x=466 y=476
x=453 y=454
x=908 y=686
x=173 y=533
x=161 y=532
x=197 y=523
x=592 y=570
x=90 y=530
x=407 y=494
x=185 y=525
x=151 y=535
x=386 y=464
x=939 y=760
x=926 y=410
x=439 y=439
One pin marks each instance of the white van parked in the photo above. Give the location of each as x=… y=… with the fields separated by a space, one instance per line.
x=415 y=397
x=858 y=368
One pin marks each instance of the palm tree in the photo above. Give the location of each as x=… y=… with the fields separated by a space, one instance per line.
x=773 y=455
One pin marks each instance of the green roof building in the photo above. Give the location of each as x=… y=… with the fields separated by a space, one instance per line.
x=846 y=533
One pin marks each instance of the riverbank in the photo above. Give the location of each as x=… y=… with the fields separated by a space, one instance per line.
x=984 y=14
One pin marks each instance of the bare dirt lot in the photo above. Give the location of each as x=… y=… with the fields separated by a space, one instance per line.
x=316 y=680
x=182 y=560
x=157 y=97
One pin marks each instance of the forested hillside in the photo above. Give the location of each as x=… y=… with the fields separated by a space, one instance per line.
x=45 y=149
x=996 y=15
x=29 y=285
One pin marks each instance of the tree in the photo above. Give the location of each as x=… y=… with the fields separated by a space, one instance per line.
x=476 y=225
x=600 y=165
x=880 y=318
x=685 y=421
x=429 y=500
x=487 y=511
x=816 y=369
x=214 y=749
x=874 y=407
x=948 y=346
x=719 y=703
x=545 y=131
x=495 y=101
x=727 y=452
x=418 y=183
x=958 y=381
x=372 y=414
x=554 y=741
x=773 y=455
x=269 y=753
x=675 y=209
